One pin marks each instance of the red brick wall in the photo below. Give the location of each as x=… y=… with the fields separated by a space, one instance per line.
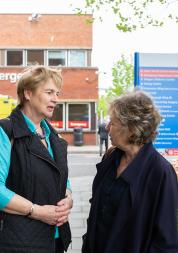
x=6 y=87
x=78 y=84
x=52 y=31
x=59 y=30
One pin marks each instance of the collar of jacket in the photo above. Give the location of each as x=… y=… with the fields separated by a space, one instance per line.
x=19 y=125
x=133 y=173
x=20 y=129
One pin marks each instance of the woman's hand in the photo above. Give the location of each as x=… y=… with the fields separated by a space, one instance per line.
x=49 y=214
x=54 y=215
x=64 y=207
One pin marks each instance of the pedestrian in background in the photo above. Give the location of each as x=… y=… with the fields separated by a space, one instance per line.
x=103 y=134
x=33 y=170
x=134 y=200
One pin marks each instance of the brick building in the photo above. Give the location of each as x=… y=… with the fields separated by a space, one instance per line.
x=57 y=40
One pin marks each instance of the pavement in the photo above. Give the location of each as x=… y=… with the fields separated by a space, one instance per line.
x=81 y=192
x=88 y=149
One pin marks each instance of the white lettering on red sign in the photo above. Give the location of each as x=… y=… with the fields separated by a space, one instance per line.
x=83 y=124
x=58 y=124
x=12 y=77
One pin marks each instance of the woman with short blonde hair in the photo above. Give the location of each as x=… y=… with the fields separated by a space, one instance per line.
x=35 y=196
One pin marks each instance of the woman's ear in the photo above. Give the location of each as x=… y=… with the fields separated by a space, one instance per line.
x=27 y=94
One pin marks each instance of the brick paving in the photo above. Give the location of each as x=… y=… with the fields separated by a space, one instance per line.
x=81 y=191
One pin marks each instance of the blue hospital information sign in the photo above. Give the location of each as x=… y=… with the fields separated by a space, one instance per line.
x=157 y=74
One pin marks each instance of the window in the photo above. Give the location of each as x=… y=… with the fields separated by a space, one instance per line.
x=57 y=58
x=14 y=57
x=35 y=57
x=77 y=58
x=27 y=57
x=57 y=119
x=78 y=116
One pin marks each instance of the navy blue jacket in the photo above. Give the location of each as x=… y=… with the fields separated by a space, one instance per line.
x=146 y=222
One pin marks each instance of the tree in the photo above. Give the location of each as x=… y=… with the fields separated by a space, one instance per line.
x=123 y=77
x=133 y=14
x=102 y=109
x=123 y=80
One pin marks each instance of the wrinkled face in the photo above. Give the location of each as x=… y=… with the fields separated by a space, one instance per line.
x=43 y=100
x=118 y=133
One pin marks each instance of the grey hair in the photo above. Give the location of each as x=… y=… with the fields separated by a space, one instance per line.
x=137 y=112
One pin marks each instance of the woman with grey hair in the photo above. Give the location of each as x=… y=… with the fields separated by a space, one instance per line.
x=134 y=196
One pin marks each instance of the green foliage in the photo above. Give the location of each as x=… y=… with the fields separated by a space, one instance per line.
x=132 y=14
x=102 y=106
x=123 y=79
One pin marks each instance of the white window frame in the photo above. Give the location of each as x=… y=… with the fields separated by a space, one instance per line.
x=45 y=57
x=23 y=57
x=67 y=115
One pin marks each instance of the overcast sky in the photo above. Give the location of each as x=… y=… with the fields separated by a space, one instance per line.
x=108 y=42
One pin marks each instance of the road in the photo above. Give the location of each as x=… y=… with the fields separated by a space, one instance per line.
x=82 y=164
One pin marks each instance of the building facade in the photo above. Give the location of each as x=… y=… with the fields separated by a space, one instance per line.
x=57 y=40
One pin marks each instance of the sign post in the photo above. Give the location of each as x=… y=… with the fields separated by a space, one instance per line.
x=157 y=74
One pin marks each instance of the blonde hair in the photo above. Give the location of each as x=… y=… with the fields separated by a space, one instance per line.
x=34 y=77
x=137 y=112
